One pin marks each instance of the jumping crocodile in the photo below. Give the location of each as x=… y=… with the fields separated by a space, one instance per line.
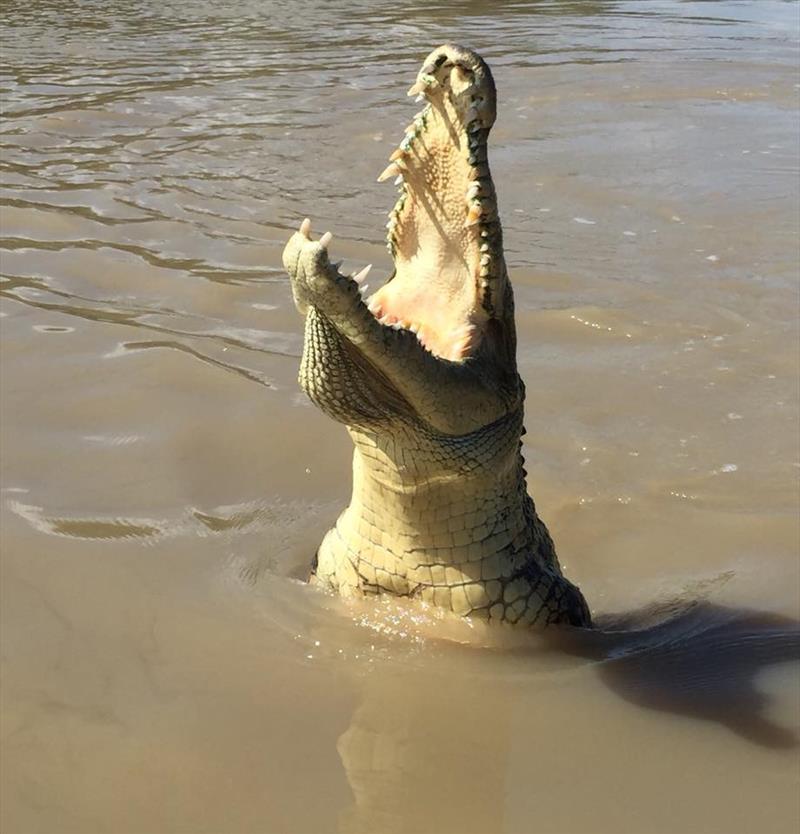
x=423 y=374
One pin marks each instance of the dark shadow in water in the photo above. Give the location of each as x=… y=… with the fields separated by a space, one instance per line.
x=696 y=659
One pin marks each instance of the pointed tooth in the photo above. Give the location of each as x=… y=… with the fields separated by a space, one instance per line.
x=472 y=192
x=359 y=277
x=391 y=170
x=397 y=154
x=416 y=88
x=471 y=114
x=486 y=259
x=325 y=240
x=363 y=289
x=398 y=179
x=305 y=228
x=473 y=216
x=484 y=247
x=414 y=328
x=420 y=97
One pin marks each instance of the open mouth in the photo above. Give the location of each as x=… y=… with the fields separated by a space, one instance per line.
x=443 y=231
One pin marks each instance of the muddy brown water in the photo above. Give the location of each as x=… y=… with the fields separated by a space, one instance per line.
x=165 y=483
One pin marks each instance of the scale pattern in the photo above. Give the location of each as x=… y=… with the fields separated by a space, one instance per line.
x=440 y=509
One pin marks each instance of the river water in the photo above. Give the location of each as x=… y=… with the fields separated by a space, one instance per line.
x=165 y=483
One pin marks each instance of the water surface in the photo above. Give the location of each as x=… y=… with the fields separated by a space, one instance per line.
x=165 y=483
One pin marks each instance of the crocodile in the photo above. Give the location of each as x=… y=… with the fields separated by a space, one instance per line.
x=422 y=372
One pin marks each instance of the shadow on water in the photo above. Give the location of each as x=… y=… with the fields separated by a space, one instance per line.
x=695 y=659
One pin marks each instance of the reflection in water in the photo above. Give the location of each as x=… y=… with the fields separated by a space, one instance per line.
x=419 y=759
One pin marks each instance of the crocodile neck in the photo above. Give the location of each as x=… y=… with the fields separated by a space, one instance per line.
x=444 y=519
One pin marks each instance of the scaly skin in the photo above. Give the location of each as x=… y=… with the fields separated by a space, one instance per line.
x=423 y=374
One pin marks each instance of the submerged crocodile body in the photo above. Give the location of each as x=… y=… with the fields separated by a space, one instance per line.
x=423 y=374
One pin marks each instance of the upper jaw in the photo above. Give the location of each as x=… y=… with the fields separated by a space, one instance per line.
x=468 y=77
x=443 y=232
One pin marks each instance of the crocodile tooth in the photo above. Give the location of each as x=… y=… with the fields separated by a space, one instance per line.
x=396 y=154
x=325 y=240
x=391 y=170
x=420 y=97
x=484 y=247
x=414 y=328
x=363 y=290
x=416 y=88
x=472 y=192
x=471 y=115
x=374 y=307
x=305 y=227
x=398 y=179
x=463 y=347
x=486 y=259
x=484 y=272
x=474 y=215
x=458 y=351
x=359 y=277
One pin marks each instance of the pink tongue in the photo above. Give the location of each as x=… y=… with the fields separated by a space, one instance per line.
x=420 y=307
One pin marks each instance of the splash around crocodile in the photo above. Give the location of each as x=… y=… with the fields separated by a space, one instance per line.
x=423 y=373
